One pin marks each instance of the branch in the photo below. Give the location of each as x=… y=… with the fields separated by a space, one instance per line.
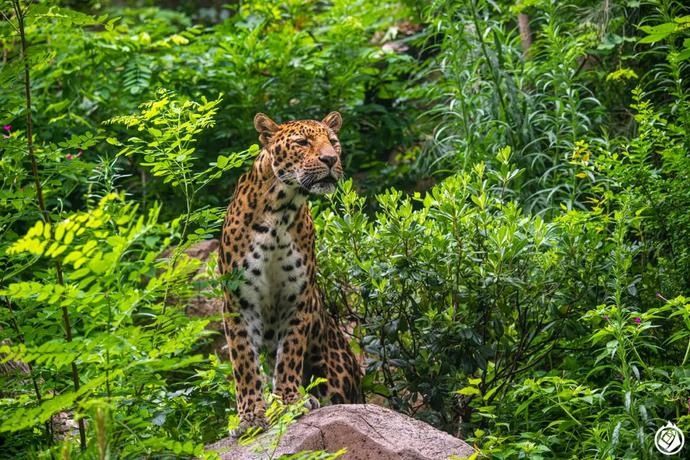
x=525 y=33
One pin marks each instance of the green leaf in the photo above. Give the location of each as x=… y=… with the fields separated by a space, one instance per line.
x=469 y=391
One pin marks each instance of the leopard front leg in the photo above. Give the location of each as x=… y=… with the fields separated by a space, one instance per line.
x=330 y=357
x=343 y=371
x=290 y=359
x=245 y=366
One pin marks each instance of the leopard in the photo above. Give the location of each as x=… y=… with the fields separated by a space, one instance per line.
x=278 y=308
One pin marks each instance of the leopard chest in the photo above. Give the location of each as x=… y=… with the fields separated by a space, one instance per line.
x=274 y=275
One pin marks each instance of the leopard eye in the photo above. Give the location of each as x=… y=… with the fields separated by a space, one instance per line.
x=302 y=141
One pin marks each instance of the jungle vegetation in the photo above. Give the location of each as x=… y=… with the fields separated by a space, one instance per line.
x=512 y=244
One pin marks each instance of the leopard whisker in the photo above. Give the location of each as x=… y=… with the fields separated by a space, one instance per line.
x=308 y=182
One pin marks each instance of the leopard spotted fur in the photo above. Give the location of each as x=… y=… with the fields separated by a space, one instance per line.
x=268 y=235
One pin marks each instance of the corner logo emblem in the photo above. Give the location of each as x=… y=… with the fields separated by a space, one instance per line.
x=669 y=440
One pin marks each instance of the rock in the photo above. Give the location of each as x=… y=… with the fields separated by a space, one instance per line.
x=204 y=249
x=202 y=304
x=365 y=430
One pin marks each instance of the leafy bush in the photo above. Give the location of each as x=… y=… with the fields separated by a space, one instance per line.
x=131 y=347
x=535 y=337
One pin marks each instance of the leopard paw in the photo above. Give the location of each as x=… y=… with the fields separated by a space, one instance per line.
x=295 y=397
x=250 y=424
x=312 y=403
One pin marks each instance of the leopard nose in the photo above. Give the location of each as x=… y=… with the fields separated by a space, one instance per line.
x=328 y=160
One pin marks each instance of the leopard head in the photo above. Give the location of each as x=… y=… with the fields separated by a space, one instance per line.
x=304 y=154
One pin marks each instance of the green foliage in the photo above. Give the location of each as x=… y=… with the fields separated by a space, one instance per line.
x=532 y=337
x=495 y=93
x=290 y=60
x=140 y=376
x=169 y=130
x=126 y=339
x=484 y=305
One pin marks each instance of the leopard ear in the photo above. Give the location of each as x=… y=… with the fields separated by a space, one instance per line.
x=265 y=126
x=333 y=120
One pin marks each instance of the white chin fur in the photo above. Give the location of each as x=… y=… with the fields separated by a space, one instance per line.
x=322 y=189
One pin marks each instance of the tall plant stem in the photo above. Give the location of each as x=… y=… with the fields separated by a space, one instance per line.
x=493 y=69
x=32 y=374
x=39 y=195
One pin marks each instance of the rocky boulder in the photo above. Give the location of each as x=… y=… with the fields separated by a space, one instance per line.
x=366 y=431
